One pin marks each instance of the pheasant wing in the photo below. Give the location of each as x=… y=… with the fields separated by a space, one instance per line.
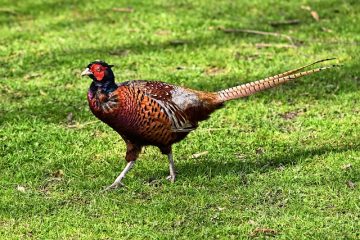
x=163 y=95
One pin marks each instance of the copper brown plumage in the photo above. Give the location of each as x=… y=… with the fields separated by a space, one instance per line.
x=161 y=114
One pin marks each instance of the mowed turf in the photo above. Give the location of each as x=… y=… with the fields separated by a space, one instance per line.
x=282 y=164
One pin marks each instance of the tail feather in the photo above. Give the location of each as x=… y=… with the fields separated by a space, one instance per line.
x=269 y=82
x=298 y=69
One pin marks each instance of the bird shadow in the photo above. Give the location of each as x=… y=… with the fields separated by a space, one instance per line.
x=211 y=168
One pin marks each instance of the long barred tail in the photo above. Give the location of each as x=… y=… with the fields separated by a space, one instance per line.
x=269 y=82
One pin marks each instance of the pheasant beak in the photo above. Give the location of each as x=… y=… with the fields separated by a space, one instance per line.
x=86 y=72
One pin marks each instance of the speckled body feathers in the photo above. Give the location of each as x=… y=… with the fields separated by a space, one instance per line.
x=150 y=112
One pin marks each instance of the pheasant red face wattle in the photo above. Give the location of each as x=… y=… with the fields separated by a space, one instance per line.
x=98 y=71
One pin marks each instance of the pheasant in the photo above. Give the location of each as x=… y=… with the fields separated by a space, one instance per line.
x=161 y=114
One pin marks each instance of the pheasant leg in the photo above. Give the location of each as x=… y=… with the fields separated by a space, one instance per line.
x=117 y=183
x=172 y=175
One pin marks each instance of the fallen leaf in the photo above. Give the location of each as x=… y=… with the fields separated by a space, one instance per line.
x=346 y=166
x=326 y=30
x=351 y=184
x=21 y=189
x=29 y=234
x=315 y=15
x=289 y=115
x=197 y=155
x=31 y=76
x=265 y=231
x=58 y=174
x=259 y=151
x=240 y=156
x=124 y=10
x=221 y=208
x=308 y=8
x=213 y=70
x=281 y=168
x=215 y=217
x=292 y=114
x=163 y=32
x=252 y=222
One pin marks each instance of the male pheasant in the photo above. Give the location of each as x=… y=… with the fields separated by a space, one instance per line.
x=161 y=114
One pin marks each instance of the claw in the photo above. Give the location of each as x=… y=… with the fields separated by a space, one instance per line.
x=113 y=186
x=171 y=178
x=117 y=183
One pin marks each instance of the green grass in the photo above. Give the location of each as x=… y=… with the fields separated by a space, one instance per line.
x=262 y=171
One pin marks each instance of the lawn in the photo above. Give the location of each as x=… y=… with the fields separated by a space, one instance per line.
x=284 y=163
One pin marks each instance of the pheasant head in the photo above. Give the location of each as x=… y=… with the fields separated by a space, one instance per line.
x=99 y=71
